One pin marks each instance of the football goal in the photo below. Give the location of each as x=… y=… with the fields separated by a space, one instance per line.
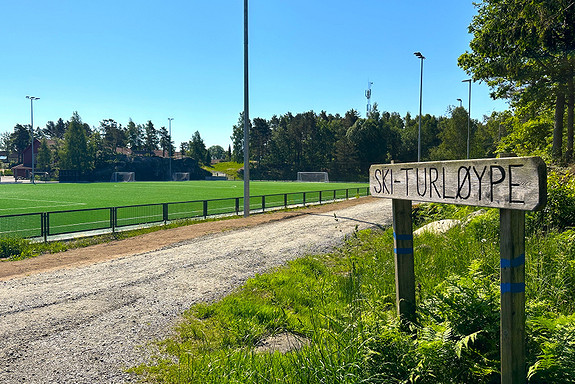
x=317 y=177
x=181 y=176
x=123 y=176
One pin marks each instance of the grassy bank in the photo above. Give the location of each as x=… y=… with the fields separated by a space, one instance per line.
x=338 y=310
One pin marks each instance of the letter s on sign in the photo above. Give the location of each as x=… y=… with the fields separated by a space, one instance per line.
x=378 y=180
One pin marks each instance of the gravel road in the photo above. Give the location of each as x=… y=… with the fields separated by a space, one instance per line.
x=87 y=324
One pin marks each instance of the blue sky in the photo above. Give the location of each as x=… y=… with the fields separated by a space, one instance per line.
x=150 y=60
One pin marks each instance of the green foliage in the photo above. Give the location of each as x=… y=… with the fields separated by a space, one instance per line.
x=14 y=248
x=528 y=138
x=559 y=212
x=553 y=344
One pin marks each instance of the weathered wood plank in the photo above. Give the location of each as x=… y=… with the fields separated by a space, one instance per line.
x=509 y=183
x=404 y=263
x=512 y=333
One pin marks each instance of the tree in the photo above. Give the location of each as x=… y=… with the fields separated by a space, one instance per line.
x=238 y=140
x=135 y=136
x=75 y=155
x=260 y=135
x=151 y=139
x=113 y=134
x=44 y=157
x=165 y=142
x=198 y=149
x=523 y=49
x=217 y=152
x=453 y=136
x=20 y=139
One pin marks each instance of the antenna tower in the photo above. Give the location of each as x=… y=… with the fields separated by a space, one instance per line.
x=368 y=96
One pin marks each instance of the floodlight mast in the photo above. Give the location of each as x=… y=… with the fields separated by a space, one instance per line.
x=421 y=57
x=246 y=118
x=468 y=117
x=32 y=98
x=170 y=147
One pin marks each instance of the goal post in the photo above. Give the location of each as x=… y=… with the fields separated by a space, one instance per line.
x=181 y=176
x=123 y=176
x=317 y=177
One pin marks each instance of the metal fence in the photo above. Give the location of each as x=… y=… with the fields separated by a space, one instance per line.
x=111 y=219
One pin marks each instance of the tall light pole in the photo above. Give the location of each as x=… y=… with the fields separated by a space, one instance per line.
x=468 y=117
x=32 y=98
x=419 y=56
x=170 y=147
x=246 y=118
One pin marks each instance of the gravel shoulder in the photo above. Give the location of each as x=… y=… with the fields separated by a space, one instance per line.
x=85 y=315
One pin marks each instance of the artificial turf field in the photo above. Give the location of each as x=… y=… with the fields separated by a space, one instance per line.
x=33 y=198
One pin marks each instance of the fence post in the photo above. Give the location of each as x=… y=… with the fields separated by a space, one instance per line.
x=165 y=212
x=347 y=193
x=237 y=206
x=404 y=264
x=113 y=219
x=304 y=199
x=512 y=333
x=263 y=203
x=285 y=200
x=205 y=209
x=320 y=197
x=334 y=194
x=44 y=226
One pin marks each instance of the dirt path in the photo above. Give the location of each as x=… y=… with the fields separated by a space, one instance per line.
x=79 y=316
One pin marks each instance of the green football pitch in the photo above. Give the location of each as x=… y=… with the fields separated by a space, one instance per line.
x=34 y=198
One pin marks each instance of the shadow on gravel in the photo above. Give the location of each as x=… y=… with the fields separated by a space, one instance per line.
x=348 y=218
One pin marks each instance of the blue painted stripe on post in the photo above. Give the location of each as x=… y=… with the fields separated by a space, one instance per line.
x=403 y=251
x=518 y=261
x=402 y=237
x=512 y=287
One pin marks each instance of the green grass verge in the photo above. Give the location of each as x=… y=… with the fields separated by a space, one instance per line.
x=230 y=168
x=343 y=305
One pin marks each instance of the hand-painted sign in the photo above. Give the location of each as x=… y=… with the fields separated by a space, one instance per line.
x=511 y=182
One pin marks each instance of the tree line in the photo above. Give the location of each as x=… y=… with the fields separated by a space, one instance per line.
x=74 y=145
x=346 y=146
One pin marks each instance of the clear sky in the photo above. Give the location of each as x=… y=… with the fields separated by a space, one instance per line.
x=150 y=60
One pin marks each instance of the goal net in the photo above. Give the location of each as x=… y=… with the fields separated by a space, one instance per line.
x=318 y=177
x=181 y=176
x=123 y=176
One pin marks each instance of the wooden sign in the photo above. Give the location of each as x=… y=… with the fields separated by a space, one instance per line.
x=510 y=183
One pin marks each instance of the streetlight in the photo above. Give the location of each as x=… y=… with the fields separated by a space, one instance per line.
x=170 y=147
x=419 y=56
x=32 y=98
x=246 y=117
x=468 y=116
x=460 y=103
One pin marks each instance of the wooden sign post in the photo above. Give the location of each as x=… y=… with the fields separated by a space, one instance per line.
x=514 y=185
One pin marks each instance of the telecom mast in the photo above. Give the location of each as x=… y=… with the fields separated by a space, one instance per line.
x=368 y=96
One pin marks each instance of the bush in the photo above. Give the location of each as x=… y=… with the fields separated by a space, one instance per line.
x=12 y=248
x=559 y=213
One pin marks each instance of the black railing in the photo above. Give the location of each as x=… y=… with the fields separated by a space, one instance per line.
x=46 y=224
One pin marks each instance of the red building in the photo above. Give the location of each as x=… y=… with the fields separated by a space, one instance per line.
x=22 y=171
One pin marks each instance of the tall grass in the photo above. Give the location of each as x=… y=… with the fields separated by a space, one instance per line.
x=343 y=304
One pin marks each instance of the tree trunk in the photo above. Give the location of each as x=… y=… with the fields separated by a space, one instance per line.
x=570 y=106
x=557 y=149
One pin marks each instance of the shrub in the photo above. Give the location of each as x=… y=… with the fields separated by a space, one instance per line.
x=12 y=248
x=559 y=212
